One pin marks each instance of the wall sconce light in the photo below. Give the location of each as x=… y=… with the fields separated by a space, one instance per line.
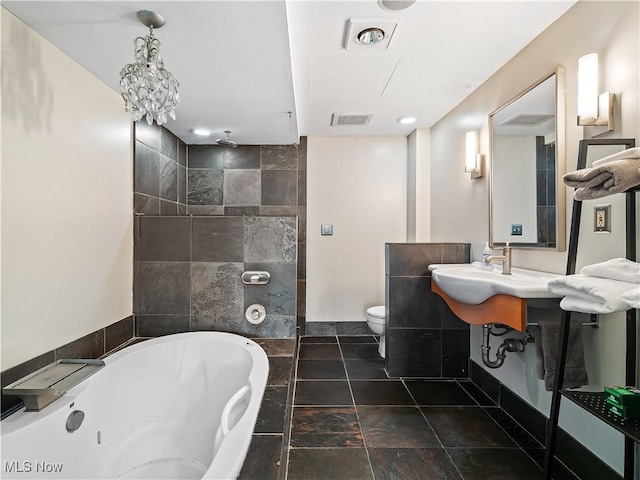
x=473 y=160
x=594 y=109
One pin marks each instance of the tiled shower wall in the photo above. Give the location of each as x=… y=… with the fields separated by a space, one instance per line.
x=423 y=337
x=546 y=191
x=226 y=198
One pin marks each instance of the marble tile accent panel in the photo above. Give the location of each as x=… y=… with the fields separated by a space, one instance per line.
x=168 y=208
x=279 y=371
x=312 y=463
x=205 y=156
x=169 y=144
x=272 y=410
x=320 y=328
x=412 y=463
x=89 y=346
x=182 y=153
x=216 y=289
x=483 y=463
x=218 y=239
x=279 y=187
x=219 y=322
x=274 y=326
x=263 y=458
x=466 y=427
x=148 y=134
x=204 y=187
x=242 y=187
x=414 y=353
x=270 y=239
x=145 y=204
x=242 y=211
x=161 y=288
x=325 y=427
x=456 y=351
x=182 y=184
x=243 y=156
x=395 y=427
x=146 y=170
x=159 y=325
x=279 y=295
x=205 y=210
x=168 y=179
x=277 y=347
x=279 y=210
x=118 y=333
x=279 y=157
x=163 y=239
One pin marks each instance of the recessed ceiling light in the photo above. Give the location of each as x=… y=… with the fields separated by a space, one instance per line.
x=201 y=132
x=407 y=120
x=371 y=36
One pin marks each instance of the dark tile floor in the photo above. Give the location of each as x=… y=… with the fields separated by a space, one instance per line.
x=349 y=421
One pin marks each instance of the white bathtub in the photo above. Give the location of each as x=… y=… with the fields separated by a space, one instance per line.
x=181 y=406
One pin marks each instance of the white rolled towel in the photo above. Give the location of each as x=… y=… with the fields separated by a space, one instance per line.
x=586 y=294
x=632 y=297
x=621 y=269
x=629 y=153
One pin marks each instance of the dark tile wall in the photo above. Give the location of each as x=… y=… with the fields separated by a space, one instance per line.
x=172 y=178
x=187 y=274
x=546 y=191
x=95 y=345
x=160 y=171
x=423 y=337
x=575 y=461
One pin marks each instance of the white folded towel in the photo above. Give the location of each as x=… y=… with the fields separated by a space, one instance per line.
x=632 y=297
x=586 y=294
x=621 y=269
x=630 y=153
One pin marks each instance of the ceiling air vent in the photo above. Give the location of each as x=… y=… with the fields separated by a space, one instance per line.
x=528 y=119
x=351 y=118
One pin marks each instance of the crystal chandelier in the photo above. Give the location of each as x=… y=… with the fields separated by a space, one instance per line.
x=148 y=89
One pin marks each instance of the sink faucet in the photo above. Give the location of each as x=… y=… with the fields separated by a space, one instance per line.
x=505 y=259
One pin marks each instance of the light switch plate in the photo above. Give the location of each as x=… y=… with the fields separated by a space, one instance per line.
x=602 y=218
x=326 y=229
x=516 y=229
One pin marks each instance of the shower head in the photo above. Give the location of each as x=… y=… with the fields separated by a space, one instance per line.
x=226 y=142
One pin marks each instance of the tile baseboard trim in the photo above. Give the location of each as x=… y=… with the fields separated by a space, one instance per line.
x=573 y=460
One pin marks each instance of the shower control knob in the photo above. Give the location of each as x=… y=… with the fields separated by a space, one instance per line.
x=255 y=314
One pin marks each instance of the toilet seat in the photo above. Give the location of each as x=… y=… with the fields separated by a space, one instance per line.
x=376 y=314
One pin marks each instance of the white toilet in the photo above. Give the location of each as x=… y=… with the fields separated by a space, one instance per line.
x=375 y=320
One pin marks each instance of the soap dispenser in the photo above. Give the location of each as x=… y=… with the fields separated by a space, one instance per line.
x=486 y=253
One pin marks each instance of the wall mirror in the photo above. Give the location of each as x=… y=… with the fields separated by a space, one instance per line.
x=527 y=195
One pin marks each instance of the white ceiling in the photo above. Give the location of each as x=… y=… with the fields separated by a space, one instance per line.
x=271 y=70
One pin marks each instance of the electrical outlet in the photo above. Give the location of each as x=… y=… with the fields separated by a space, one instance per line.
x=516 y=229
x=602 y=218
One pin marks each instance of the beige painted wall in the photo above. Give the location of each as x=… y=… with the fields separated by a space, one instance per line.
x=359 y=185
x=460 y=206
x=66 y=198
